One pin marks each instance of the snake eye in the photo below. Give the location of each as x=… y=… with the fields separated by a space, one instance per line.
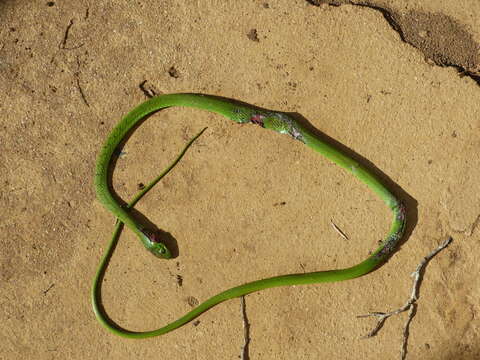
x=162 y=251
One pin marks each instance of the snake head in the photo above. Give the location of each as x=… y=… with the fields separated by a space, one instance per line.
x=155 y=246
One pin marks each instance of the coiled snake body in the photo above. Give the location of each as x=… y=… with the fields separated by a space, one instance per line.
x=240 y=113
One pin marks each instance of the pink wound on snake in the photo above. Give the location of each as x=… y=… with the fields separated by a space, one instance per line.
x=257 y=119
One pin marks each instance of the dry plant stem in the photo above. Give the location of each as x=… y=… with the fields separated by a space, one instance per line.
x=406 y=330
x=246 y=331
x=411 y=303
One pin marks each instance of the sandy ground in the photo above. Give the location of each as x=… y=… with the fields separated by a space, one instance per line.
x=395 y=81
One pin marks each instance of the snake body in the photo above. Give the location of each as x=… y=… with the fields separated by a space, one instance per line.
x=239 y=113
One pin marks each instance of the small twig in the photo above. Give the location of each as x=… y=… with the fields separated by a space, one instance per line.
x=246 y=331
x=337 y=229
x=406 y=330
x=411 y=303
x=48 y=289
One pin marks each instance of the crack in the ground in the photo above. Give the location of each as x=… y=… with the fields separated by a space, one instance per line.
x=471 y=228
x=442 y=39
x=76 y=75
x=474 y=225
x=63 y=44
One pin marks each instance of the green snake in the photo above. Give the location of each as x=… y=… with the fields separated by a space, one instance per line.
x=240 y=113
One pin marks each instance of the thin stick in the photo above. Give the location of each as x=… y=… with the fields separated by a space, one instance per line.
x=337 y=229
x=411 y=303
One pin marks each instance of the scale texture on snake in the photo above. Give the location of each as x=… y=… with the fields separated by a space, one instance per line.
x=240 y=113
